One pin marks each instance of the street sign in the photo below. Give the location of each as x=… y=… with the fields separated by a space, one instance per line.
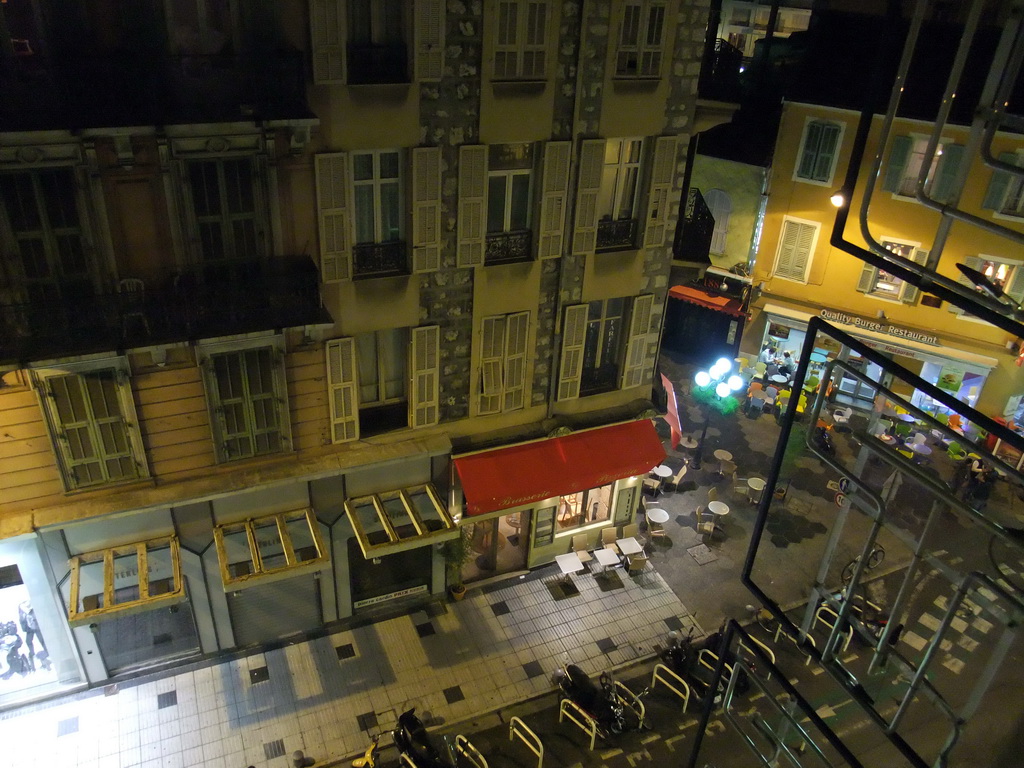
x=840 y=498
x=844 y=484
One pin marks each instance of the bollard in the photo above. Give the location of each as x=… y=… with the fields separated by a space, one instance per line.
x=299 y=760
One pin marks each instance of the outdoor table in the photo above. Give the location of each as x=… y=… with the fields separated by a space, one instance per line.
x=907 y=417
x=723 y=455
x=921 y=449
x=688 y=442
x=631 y=546
x=755 y=485
x=569 y=563
x=778 y=378
x=662 y=471
x=657 y=514
x=607 y=557
x=718 y=508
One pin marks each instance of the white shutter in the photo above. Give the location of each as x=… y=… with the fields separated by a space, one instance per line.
x=327 y=35
x=332 y=190
x=429 y=31
x=974 y=262
x=574 y=338
x=426 y=209
x=492 y=352
x=909 y=293
x=426 y=349
x=588 y=191
x=633 y=372
x=868 y=276
x=554 y=189
x=342 y=389
x=472 y=214
x=516 y=332
x=794 y=250
x=659 y=197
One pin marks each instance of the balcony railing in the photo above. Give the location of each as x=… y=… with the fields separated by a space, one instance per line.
x=211 y=300
x=509 y=247
x=693 y=237
x=616 y=234
x=380 y=260
x=720 y=72
x=370 y=64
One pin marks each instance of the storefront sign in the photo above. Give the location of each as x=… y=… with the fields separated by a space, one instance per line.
x=877 y=327
x=390 y=596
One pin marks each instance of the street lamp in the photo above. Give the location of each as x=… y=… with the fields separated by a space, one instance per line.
x=714 y=393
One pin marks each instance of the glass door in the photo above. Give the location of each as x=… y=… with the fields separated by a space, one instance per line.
x=499 y=546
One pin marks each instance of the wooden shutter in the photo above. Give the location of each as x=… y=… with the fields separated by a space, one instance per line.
x=429 y=33
x=868 y=277
x=574 y=337
x=826 y=151
x=996 y=191
x=946 y=172
x=342 y=389
x=332 y=190
x=426 y=349
x=795 y=250
x=633 y=372
x=472 y=214
x=588 y=190
x=909 y=293
x=973 y=262
x=812 y=140
x=663 y=171
x=426 y=209
x=328 y=38
x=898 y=155
x=1015 y=288
x=492 y=353
x=554 y=189
x=517 y=329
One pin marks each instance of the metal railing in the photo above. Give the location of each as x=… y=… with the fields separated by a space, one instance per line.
x=380 y=259
x=616 y=234
x=693 y=236
x=509 y=247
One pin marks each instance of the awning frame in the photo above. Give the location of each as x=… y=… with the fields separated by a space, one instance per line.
x=395 y=542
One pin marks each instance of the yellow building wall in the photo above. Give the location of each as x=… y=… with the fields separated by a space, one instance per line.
x=744 y=185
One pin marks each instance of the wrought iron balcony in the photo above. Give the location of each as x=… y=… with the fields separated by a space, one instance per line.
x=370 y=64
x=693 y=237
x=616 y=234
x=720 y=72
x=241 y=296
x=509 y=247
x=380 y=260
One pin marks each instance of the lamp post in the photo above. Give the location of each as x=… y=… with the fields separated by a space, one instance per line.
x=714 y=393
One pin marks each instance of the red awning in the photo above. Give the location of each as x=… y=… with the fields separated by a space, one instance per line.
x=703 y=299
x=513 y=476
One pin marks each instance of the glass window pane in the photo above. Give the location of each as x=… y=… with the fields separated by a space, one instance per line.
x=390 y=213
x=238 y=183
x=19 y=201
x=427 y=511
x=126 y=577
x=496 y=204
x=389 y=165
x=400 y=520
x=268 y=541
x=392 y=359
x=161 y=571
x=362 y=167
x=366 y=231
x=205 y=189
x=366 y=351
x=520 y=218
x=237 y=553
x=606 y=197
x=628 y=194
x=303 y=543
x=371 y=524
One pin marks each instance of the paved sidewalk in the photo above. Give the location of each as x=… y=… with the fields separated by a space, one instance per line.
x=327 y=696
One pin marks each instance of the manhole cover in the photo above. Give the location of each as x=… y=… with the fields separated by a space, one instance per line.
x=702 y=554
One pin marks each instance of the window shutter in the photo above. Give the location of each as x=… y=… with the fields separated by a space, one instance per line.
x=584 y=238
x=946 y=172
x=516 y=333
x=634 y=371
x=1015 y=288
x=574 y=337
x=492 y=351
x=554 y=188
x=897 y=162
x=429 y=40
x=327 y=34
x=973 y=262
x=868 y=277
x=472 y=204
x=423 y=404
x=332 y=189
x=795 y=250
x=997 y=187
x=426 y=209
x=812 y=140
x=909 y=293
x=659 y=197
x=826 y=151
x=342 y=389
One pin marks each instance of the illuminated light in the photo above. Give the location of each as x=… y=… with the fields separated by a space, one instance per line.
x=838 y=198
x=702 y=378
x=735 y=383
x=724 y=363
x=722 y=390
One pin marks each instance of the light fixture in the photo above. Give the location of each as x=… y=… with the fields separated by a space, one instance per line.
x=838 y=198
x=719 y=383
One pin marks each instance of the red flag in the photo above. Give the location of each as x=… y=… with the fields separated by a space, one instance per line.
x=672 y=416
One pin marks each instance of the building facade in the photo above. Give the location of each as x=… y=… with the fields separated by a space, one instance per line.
x=801 y=275
x=295 y=293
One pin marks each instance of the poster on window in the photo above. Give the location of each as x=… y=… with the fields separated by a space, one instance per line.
x=24 y=659
x=950 y=378
x=777 y=331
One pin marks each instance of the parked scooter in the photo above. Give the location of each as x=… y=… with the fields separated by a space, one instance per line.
x=411 y=739
x=822 y=440
x=612 y=706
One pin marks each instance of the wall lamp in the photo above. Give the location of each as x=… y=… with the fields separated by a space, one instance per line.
x=838 y=198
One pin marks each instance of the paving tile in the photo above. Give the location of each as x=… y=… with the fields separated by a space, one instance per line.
x=501 y=608
x=533 y=669
x=606 y=645
x=425 y=630
x=259 y=675
x=164 y=700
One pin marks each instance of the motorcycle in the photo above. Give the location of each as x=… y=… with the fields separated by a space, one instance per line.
x=610 y=704
x=679 y=655
x=411 y=739
x=684 y=658
x=822 y=440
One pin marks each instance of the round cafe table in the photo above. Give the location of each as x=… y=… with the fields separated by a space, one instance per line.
x=921 y=449
x=906 y=417
x=717 y=508
x=657 y=515
x=723 y=455
x=662 y=471
x=688 y=442
x=778 y=378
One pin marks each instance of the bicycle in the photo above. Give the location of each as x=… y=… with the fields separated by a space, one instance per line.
x=875 y=557
x=764 y=618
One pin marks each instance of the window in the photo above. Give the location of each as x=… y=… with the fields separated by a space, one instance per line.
x=287 y=542
x=521 y=36
x=1005 y=193
x=91 y=419
x=385 y=523
x=584 y=508
x=603 y=347
x=503 y=362
x=200 y=27
x=796 y=245
x=617 y=199
x=508 y=187
x=377 y=51
x=720 y=205
x=882 y=285
x=820 y=150
x=377 y=196
x=639 y=51
x=1007 y=275
x=41 y=212
x=383 y=372
x=906 y=160
x=246 y=393
x=225 y=208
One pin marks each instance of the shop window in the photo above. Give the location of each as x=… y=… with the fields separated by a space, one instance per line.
x=520 y=47
x=907 y=159
x=796 y=246
x=247 y=398
x=617 y=198
x=90 y=415
x=640 y=40
x=503 y=362
x=1005 y=193
x=126 y=579
x=226 y=209
x=385 y=523
x=882 y=285
x=819 y=151
x=272 y=546
x=585 y=508
x=383 y=365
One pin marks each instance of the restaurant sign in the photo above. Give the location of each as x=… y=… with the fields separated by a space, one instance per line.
x=877 y=327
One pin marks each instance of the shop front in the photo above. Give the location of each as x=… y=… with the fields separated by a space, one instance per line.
x=524 y=503
x=960 y=372
x=701 y=325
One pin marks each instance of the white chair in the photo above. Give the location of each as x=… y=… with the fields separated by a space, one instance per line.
x=842 y=415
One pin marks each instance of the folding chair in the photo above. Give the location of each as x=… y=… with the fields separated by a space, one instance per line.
x=706 y=528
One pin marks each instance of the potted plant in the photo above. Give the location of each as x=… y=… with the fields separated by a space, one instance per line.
x=457 y=553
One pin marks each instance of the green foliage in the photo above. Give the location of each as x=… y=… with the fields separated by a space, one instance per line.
x=457 y=552
x=707 y=398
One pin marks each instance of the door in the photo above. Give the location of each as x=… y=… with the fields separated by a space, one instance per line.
x=140 y=640
x=499 y=545
x=267 y=612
